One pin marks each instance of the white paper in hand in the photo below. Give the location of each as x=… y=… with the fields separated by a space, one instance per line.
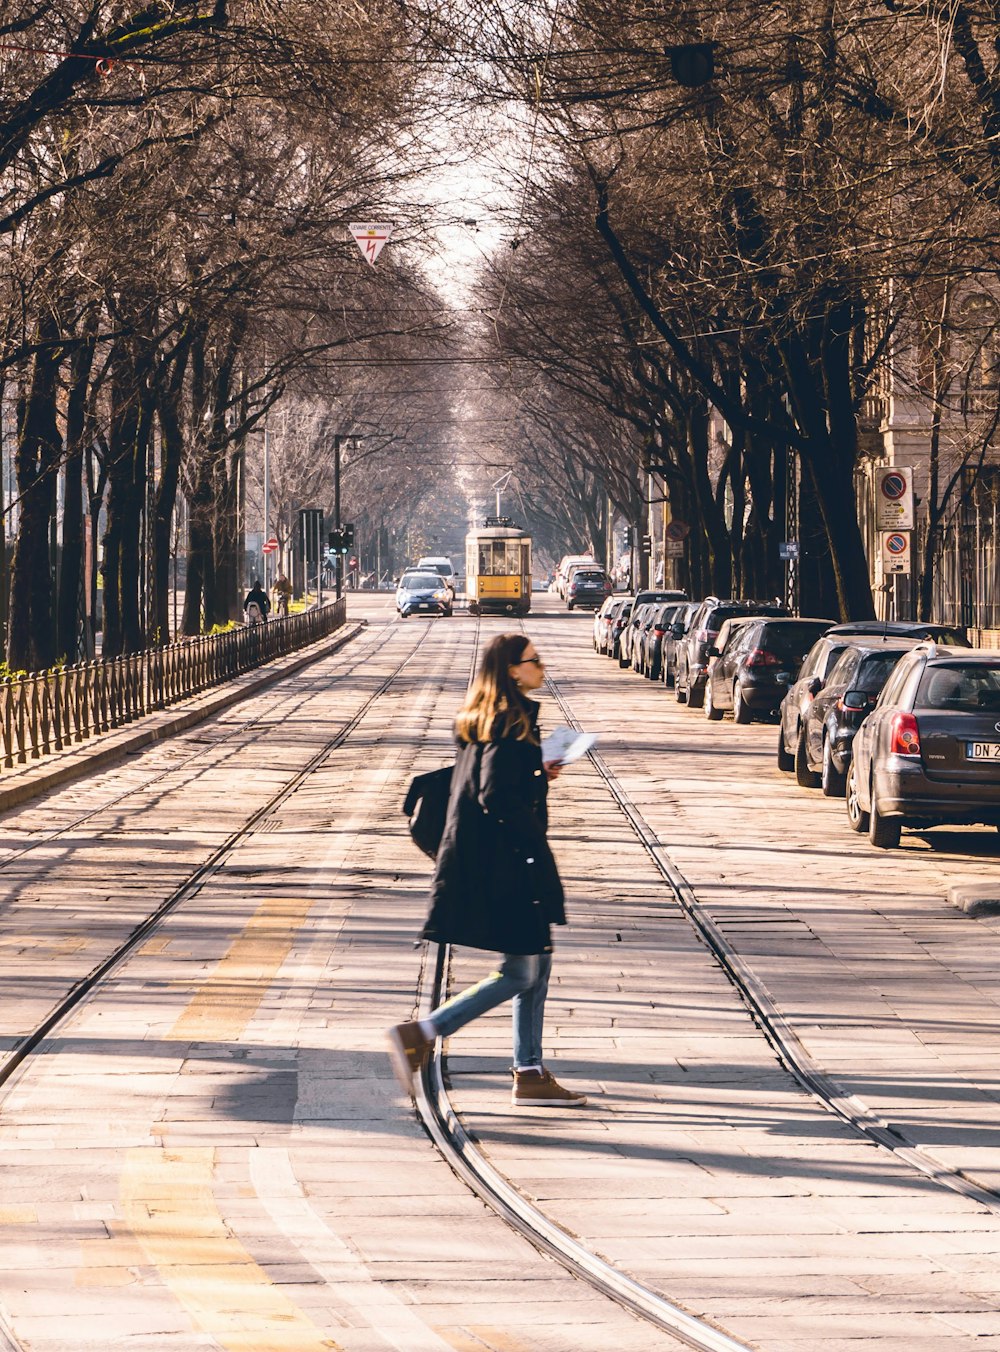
x=565 y=745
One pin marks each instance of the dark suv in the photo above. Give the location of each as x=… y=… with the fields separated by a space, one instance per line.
x=692 y=650
x=751 y=675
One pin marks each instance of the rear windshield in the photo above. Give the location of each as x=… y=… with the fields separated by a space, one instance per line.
x=791 y=640
x=875 y=670
x=581 y=576
x=421 y=582
x=966 y=687
x=716 y=618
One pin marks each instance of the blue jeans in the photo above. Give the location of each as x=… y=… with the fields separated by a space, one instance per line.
x=521 y=977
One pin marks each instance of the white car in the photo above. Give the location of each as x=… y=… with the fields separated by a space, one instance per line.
x=438 y=563
x=423 y=592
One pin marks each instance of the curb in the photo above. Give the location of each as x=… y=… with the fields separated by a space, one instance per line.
x=976 y=898
x=86 y=757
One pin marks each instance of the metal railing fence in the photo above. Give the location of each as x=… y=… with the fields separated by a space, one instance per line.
x=50 y=711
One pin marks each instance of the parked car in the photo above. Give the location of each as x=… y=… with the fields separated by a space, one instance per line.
x=588 y=587
x=672 y=640
x=952 y=635
x=640 y=612
x=602 y=622
x=649 y=596
x=619 y=623
x=929 y=751
x=752 y=675
x=423 y=593
x=726 y=638
x=692 y=655
x=820 y=661
x=647 y=650
x=834 y=716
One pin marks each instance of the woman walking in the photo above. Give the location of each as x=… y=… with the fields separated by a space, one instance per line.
x=495 y=884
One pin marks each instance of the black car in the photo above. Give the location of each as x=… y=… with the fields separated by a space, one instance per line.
x=834 y=716
x=761 y=659
x=588 y=587
x=820 y=661
x=617 y=627
x=653 y=634
x=692 y=655
x=641 y=612
x=929 y=752
x=672 y=640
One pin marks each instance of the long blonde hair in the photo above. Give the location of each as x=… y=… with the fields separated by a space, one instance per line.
x=494 y=706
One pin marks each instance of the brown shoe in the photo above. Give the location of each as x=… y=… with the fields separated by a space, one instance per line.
x=538 y=1089
x=408 y=1051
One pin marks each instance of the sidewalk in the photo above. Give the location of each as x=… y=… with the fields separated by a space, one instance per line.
x=23 y=783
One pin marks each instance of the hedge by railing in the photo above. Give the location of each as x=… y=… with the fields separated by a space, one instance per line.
x=42 y=713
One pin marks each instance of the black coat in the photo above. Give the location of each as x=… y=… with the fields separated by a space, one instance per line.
x=495 y=884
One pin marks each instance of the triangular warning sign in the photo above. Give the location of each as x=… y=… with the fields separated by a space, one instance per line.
x=370 y=237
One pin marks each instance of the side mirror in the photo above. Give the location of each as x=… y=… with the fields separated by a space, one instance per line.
x=676 y=631
x=854 y=701
x=713 y=652
x=814 y=685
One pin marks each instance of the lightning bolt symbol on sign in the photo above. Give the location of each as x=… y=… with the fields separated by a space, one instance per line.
x=370 y=237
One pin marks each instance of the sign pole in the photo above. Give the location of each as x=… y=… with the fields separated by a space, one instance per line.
x=267 y=505
x=336 y=510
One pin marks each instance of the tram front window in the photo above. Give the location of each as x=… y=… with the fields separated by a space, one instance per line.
x=499 y=558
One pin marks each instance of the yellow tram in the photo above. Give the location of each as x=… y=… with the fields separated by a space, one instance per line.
x=498 y=568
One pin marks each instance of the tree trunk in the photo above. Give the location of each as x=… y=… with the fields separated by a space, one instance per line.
x=165 y=501
x=70 y=609
x=31 y=640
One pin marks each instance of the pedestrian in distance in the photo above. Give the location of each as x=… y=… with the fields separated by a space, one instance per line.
x=496 y=885
x=255 y=604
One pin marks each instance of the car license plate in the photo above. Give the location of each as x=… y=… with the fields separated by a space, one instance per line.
x=982 y=751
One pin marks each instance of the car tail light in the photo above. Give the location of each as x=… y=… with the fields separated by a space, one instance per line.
x=760 y=657
x=658 y=633
x=904 y=735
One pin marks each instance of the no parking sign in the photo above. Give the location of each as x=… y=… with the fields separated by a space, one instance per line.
x=895 y=551
x=894 y=498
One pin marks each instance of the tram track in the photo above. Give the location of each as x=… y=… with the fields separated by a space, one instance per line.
x=88 y=983
x=240 y=730
x=438 y=1116
x=774 y=1026
x=459 y=1150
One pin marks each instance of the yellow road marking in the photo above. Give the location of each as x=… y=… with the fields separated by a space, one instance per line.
x=168 y=1204
x=226 y=1002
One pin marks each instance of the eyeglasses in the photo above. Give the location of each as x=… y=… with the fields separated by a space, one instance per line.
x=536 y=660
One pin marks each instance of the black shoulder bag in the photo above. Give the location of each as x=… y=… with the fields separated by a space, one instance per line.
x=426 y=805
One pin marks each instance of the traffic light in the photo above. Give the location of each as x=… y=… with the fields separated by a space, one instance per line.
x=348 y=533
x=336 y=539
x=629 y=537
x=647 y=544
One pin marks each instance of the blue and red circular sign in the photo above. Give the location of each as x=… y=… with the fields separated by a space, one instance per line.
x=894 y=486
x=896 y=543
